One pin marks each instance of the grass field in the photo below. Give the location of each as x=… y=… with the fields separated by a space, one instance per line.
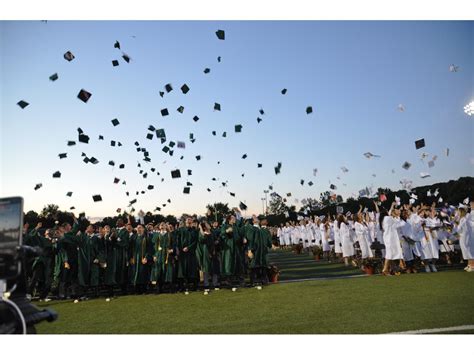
x=359 y=305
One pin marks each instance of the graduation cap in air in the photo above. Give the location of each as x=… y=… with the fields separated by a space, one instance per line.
x=424 y=175
x=181 y=145
x=217 y=106
x=165 y=149
x=219 y=59
x=198 y=157
x=72 y=208
x=302 y=182
x=22 y=104
x=259 y=165
x=113 y=143
x=38 y=186
x=208 y=190
x=101 y=138
x=207 y=71
x=168 y=88
x=232 y=194
x=164 y=112
x=115 y=62
x=133 y=201
x=162 y=93
x=84 y=95
x=238 y=128
x=149 y=136
x=117 y=45
x=150 y=187
x=431 y=164
x=224 y=134
x=332 y=187
x=344 y=169
x=86 y=160
x=126 y=58
x=62 y=155
x=97 y=198
x=278 y=169
x=121 y=166
x=242 y=206
x=93 y=160
x=175 y=174
x=406 y=165
x=185 y=89
x=259 y=120
x=310 y=183
x=244 y=156
x=420 y=143
x=172 y=144
x=309 y=110
x=195 y=118
x=190 y=172
x=116 y=180
x=115 y=122
x=180 y=109
x=151 y=128
x=160 y=133
x=243 y=175
x=157 y=208
x=220 y=34
x=111 y=162
x=186 y=190
x=288 y=194
x=283 y=92
x=54 y=77
x=68 y=56
x=57 y=174
x=189 y=183
x=69 y=194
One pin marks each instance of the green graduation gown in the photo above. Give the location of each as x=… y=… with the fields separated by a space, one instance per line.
x=230 y=249
x=187 y=237
x=111 y=259
x=122 y=254
x=142 y=248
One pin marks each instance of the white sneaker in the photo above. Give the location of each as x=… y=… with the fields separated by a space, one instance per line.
x=216 y=288
x=186 y=293
x=427 y=268
x=234 y=289
x=433 y=268
x=107 y=299
x=470 y=269
x=206 y=293
x=76 y=301
x=466 y=268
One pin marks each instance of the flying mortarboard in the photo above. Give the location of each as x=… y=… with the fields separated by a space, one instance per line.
x=310 y=183
x=115 y=122
x=164 y=112
x=224 y=134
x=198 y=157
x=69 y=194
x=38 y=186
x=333 y=187
x=180 y=109
x=309 y=110
x=244 y=156
x=116 y=180
x=68 y=56
x=420 y=143
x=97 y=198
x=242 y=206
x=62 y=155
x=431 y=163
x=162 y=93
x=220 y=34
x=113 y=143
x=84 y=95
x=283 y=92
x=168 y=88
x=54 y=77
x=115 y=62
x=160 y=133
x=217 y=106
x=219 y=59
x=186 y=190
x=93 y=160
x=172 y=144
x=22 y=104
x=149 y=136
x=117 y=44
x=190 y=172
x=259 y=165
x=150 y=187
x=406 y=165
x=185 y=89
x=195 y=118
x=181 y=145
x=126 y=58
x=175 y=174
x=111 y=162
x=302 y=182
x=238 y=128
x=207 y=71
x=232 y=194
x=101 y=138
x=424 y=175
x=57 y=174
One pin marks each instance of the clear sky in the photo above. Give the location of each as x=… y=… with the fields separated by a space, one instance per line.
x=353 y=74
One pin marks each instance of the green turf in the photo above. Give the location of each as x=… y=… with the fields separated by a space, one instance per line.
x=374 y=304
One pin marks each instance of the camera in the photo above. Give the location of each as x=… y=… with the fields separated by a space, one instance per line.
x=17 y=314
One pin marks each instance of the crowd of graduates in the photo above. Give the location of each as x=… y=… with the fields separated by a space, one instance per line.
x=115 y=260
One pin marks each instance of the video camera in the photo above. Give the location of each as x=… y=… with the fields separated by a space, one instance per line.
x=17 y=314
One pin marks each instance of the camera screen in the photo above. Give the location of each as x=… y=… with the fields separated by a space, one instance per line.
x=10 y=220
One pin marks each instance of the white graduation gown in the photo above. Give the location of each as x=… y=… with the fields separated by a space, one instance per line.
x=346 y=241
x=362 y=235
x=407 y=248
x=393 y=249
x=325 y=237
x=466 y=239
x=337 y=238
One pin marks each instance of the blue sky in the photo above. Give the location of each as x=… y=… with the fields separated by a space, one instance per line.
x=354 y=75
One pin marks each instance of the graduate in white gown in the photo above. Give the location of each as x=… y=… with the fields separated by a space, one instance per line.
x=337 y=239
x=346 y=241
x=428 y=242
x=287 y=235
x=325 y=231
x=464 y=228
x=407 y=243
x=362 y=235
x=393 y=250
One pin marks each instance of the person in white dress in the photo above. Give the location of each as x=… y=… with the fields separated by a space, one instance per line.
x=428 y=243
x=362 y=236
x=346 y=241
x=464 y=228
x=337 y=239
x=393 y=249
x=407 y=242
x=325 y=231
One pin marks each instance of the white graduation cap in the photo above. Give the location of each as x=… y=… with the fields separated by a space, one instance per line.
x=453 y=68
x=339 y=209
x=413 y=196
x=315 y=171
x=287 y=215
x=436 y=193
x=424 y=175
x=412 y=201
x=401 y=108
x=397 y=200
x=344 y=169
x=369 y=155
x=440 y=200
x=466 y=201
x=428 y=193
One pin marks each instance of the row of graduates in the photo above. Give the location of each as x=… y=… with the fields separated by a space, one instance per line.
x=148 y=257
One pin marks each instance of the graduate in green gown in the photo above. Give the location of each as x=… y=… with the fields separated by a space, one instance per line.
x=97 y=261
x=231 y=241
x=122 y=254
x=85 y=259
x=158 y=240
x=67 y=245
x=170 y=263
x=187 y=238
x=143 y=258
x=267 y=244
x=110 y=260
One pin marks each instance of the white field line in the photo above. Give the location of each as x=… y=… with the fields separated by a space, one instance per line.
x=437 y=330
x=323 y=278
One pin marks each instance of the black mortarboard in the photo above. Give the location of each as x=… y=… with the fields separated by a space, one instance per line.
x=54 y=77
x=186 y=190
x=137 y=144
x=83 y=138
x=101 y=138
x=189 y=184
x=150 y=187
x=259 y=165
x=302 y=182
x=72 y=208
x=126 y=58
x=207 y=71
x=111 y=162
x=69 y=194
x=168 y=88
x=175 y=174
x=190 y=172
x=38 y=186
x=165 y=149
x=57 y=174
x=121 y=166
x=151 y=128
x=420 y=143
x=79 y=130
x=214 y=133
x=115 y=63
x=169 y=200
x=283 y=92
x=208 y=189
x=97 y=198
x=86 y=160
x=242 y=206
x=93 y=160
x=181 y=145
x=288 y=194
x=198 y=157
x=224 y=134
x=332 y=187
x=217 y=106
x=244 y=156
x=112 y=143
x=164 y=112
x=22 y=104
x=152 y=170
x=278 y=168
x=117 y=44
x=406 y=165
x=261 y=111
x=180 y=109
x=127 y=193
x=157 y=208
x=163 y=140
x=133 y=201
x=115 y=122
x=185 y=89
x=68 y=56
x=84 y=95
x=310 y=183
x=243 y=175
x=160 y=133
x=259 y=120
x=195 y=118
x=172 y=144
x=219 y=59
x=116 y=180
x=214 y=179
x=309 y=110
x=238 y=128
x=149 y=136
x=220 y=34
x=232 y=194
x=62 y=155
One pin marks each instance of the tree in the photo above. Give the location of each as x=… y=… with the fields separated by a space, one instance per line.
x=277 y=205
x=50 y=210
x=217 y=211
x=310 y=204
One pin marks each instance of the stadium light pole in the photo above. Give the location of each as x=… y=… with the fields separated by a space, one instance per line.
x=266 y=203
x=263 y=205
